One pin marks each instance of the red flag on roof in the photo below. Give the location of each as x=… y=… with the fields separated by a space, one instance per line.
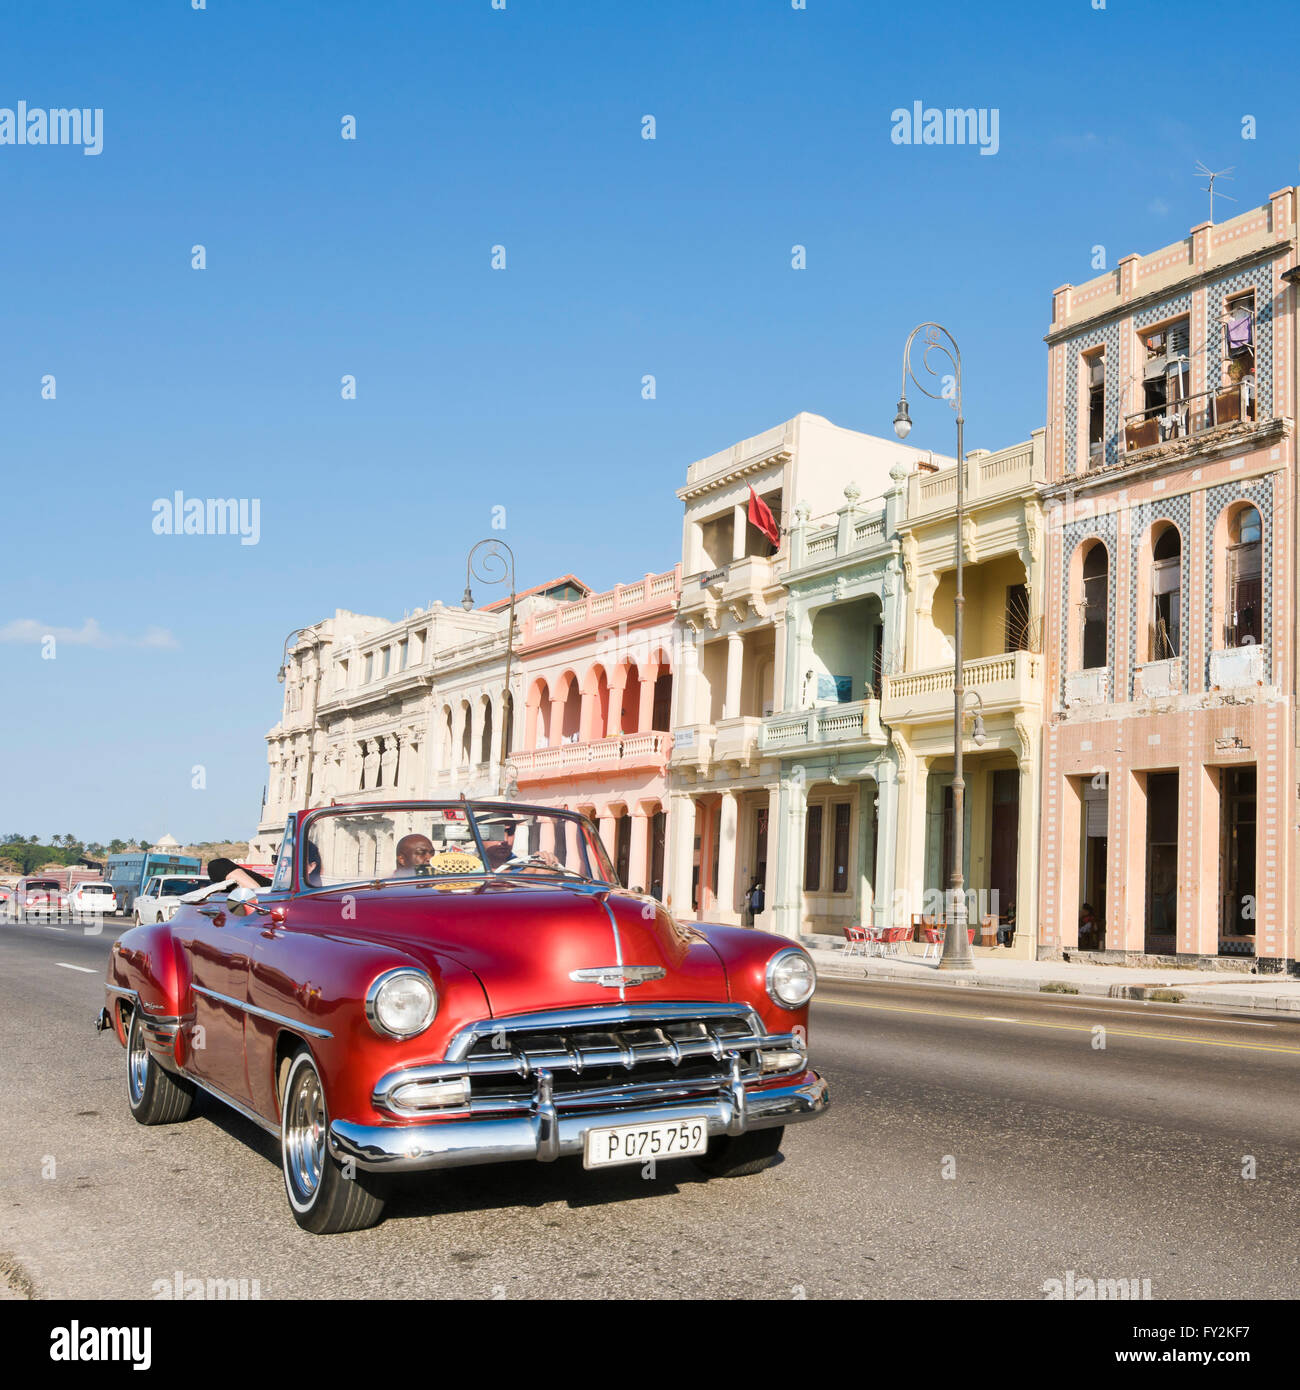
x=760 y=515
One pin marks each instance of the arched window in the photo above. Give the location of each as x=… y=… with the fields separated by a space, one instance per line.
x=1243 y=619
x=1096 y=587
x=1166 y=595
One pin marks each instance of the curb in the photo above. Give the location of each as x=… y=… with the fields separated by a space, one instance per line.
x=1283 y=1006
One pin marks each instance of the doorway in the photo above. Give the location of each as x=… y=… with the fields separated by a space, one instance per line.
x=1238 y=849
x=1004 y=844
x=1096 y=844
x=1162 y=863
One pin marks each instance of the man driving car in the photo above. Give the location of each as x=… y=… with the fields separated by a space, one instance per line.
x=413 y=855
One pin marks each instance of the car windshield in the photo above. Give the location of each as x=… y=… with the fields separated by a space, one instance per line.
x=44 y=884
x=449 y=843
x=174 y=887
x=93 y=888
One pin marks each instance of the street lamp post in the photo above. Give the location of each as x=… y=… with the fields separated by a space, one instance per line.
x=936 y=339
x=496 y=565
x=291 y=640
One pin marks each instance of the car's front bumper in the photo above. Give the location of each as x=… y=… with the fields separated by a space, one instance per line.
x=546 y=1134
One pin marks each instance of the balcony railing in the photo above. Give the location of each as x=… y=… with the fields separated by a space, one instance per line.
x=1190 y=415
x=595 y=610
x=988 y=475
x=858 y=721
x=623 y=751
x=1087 y=687
x=1004 y=682
x=1237 y=668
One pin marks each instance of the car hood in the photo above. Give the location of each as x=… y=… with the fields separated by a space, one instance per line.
x=525 y=942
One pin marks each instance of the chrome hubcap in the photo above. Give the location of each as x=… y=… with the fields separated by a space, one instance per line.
x=137 y=1062
x=304 y=1134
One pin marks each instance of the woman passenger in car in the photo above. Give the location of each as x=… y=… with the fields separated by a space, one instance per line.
x=227 y=871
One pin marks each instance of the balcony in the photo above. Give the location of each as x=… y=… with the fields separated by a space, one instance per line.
x=1005 y=683
x=656 y=593
x=737 y=740
x=1090 y=687
x=825 y=726
x=1237 y=668
x=1159 y=678
x=622 y=753
x=1233 y=404
x=987 y=476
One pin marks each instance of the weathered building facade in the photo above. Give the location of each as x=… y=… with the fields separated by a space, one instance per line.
x=1169 y=784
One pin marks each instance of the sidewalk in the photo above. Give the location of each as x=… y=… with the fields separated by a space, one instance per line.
x=1273 y=994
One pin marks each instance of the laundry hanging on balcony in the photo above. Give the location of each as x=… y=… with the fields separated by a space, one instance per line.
x=1240 y=333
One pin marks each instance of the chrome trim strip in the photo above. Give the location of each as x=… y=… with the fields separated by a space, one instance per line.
x=247 y=1008
x=600 y=1015
x=218 y=1094
x=618 y=944
x=452 y=1144
x=516 y=1060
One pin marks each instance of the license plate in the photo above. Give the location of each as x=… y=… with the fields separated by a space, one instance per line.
x=603 y=1148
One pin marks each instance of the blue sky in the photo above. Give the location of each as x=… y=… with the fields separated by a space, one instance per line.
x=522 y=387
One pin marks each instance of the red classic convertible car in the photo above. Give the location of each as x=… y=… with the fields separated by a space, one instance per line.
x=430 y=984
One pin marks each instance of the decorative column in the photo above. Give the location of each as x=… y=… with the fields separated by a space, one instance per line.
x=882 y=907
x=617 y=685
x=646 y=699
x=740 y=515
x=727 y=827
x=681 y=855
x=773 y=847
x=1029 y=846
x=638 y=864
x=735 y=668
x=557 y=722
x=790 y=830
x=587 y=719
x=687 y=676
x=532 y=718
x=607 y=833
x=498 y=732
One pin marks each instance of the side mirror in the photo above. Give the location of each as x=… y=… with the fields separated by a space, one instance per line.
x=241 y=901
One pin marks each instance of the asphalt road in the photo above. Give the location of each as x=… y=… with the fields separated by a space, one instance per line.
x=975 y=1147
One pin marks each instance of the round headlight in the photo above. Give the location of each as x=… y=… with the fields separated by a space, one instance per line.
x=401 y=1003
x=791 y=979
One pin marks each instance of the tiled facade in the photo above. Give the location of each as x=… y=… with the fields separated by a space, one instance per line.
x=1169 y=775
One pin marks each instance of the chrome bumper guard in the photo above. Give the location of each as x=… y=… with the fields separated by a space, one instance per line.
x=545 y=1134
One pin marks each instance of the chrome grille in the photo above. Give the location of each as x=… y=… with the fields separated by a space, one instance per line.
x=606 y=1056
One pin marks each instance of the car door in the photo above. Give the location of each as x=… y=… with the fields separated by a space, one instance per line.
x=145 y=903
x=220 y=946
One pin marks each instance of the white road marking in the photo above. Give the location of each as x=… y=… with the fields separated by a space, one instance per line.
x=85 y=969
x=993 y=1018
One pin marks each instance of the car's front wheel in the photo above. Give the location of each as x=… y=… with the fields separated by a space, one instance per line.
x=156 y=1096
x=324 y=1196
x=740 y=1155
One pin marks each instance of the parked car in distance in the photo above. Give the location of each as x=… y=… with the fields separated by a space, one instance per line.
x=431 y=984
x=38 y=896
x=93 y=898
x=161 y=897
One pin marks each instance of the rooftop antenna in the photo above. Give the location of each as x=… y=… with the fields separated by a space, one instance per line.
x=1205 y=172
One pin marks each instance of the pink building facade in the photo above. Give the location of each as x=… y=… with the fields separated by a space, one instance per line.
x=1169 y=798
x=597 y=678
